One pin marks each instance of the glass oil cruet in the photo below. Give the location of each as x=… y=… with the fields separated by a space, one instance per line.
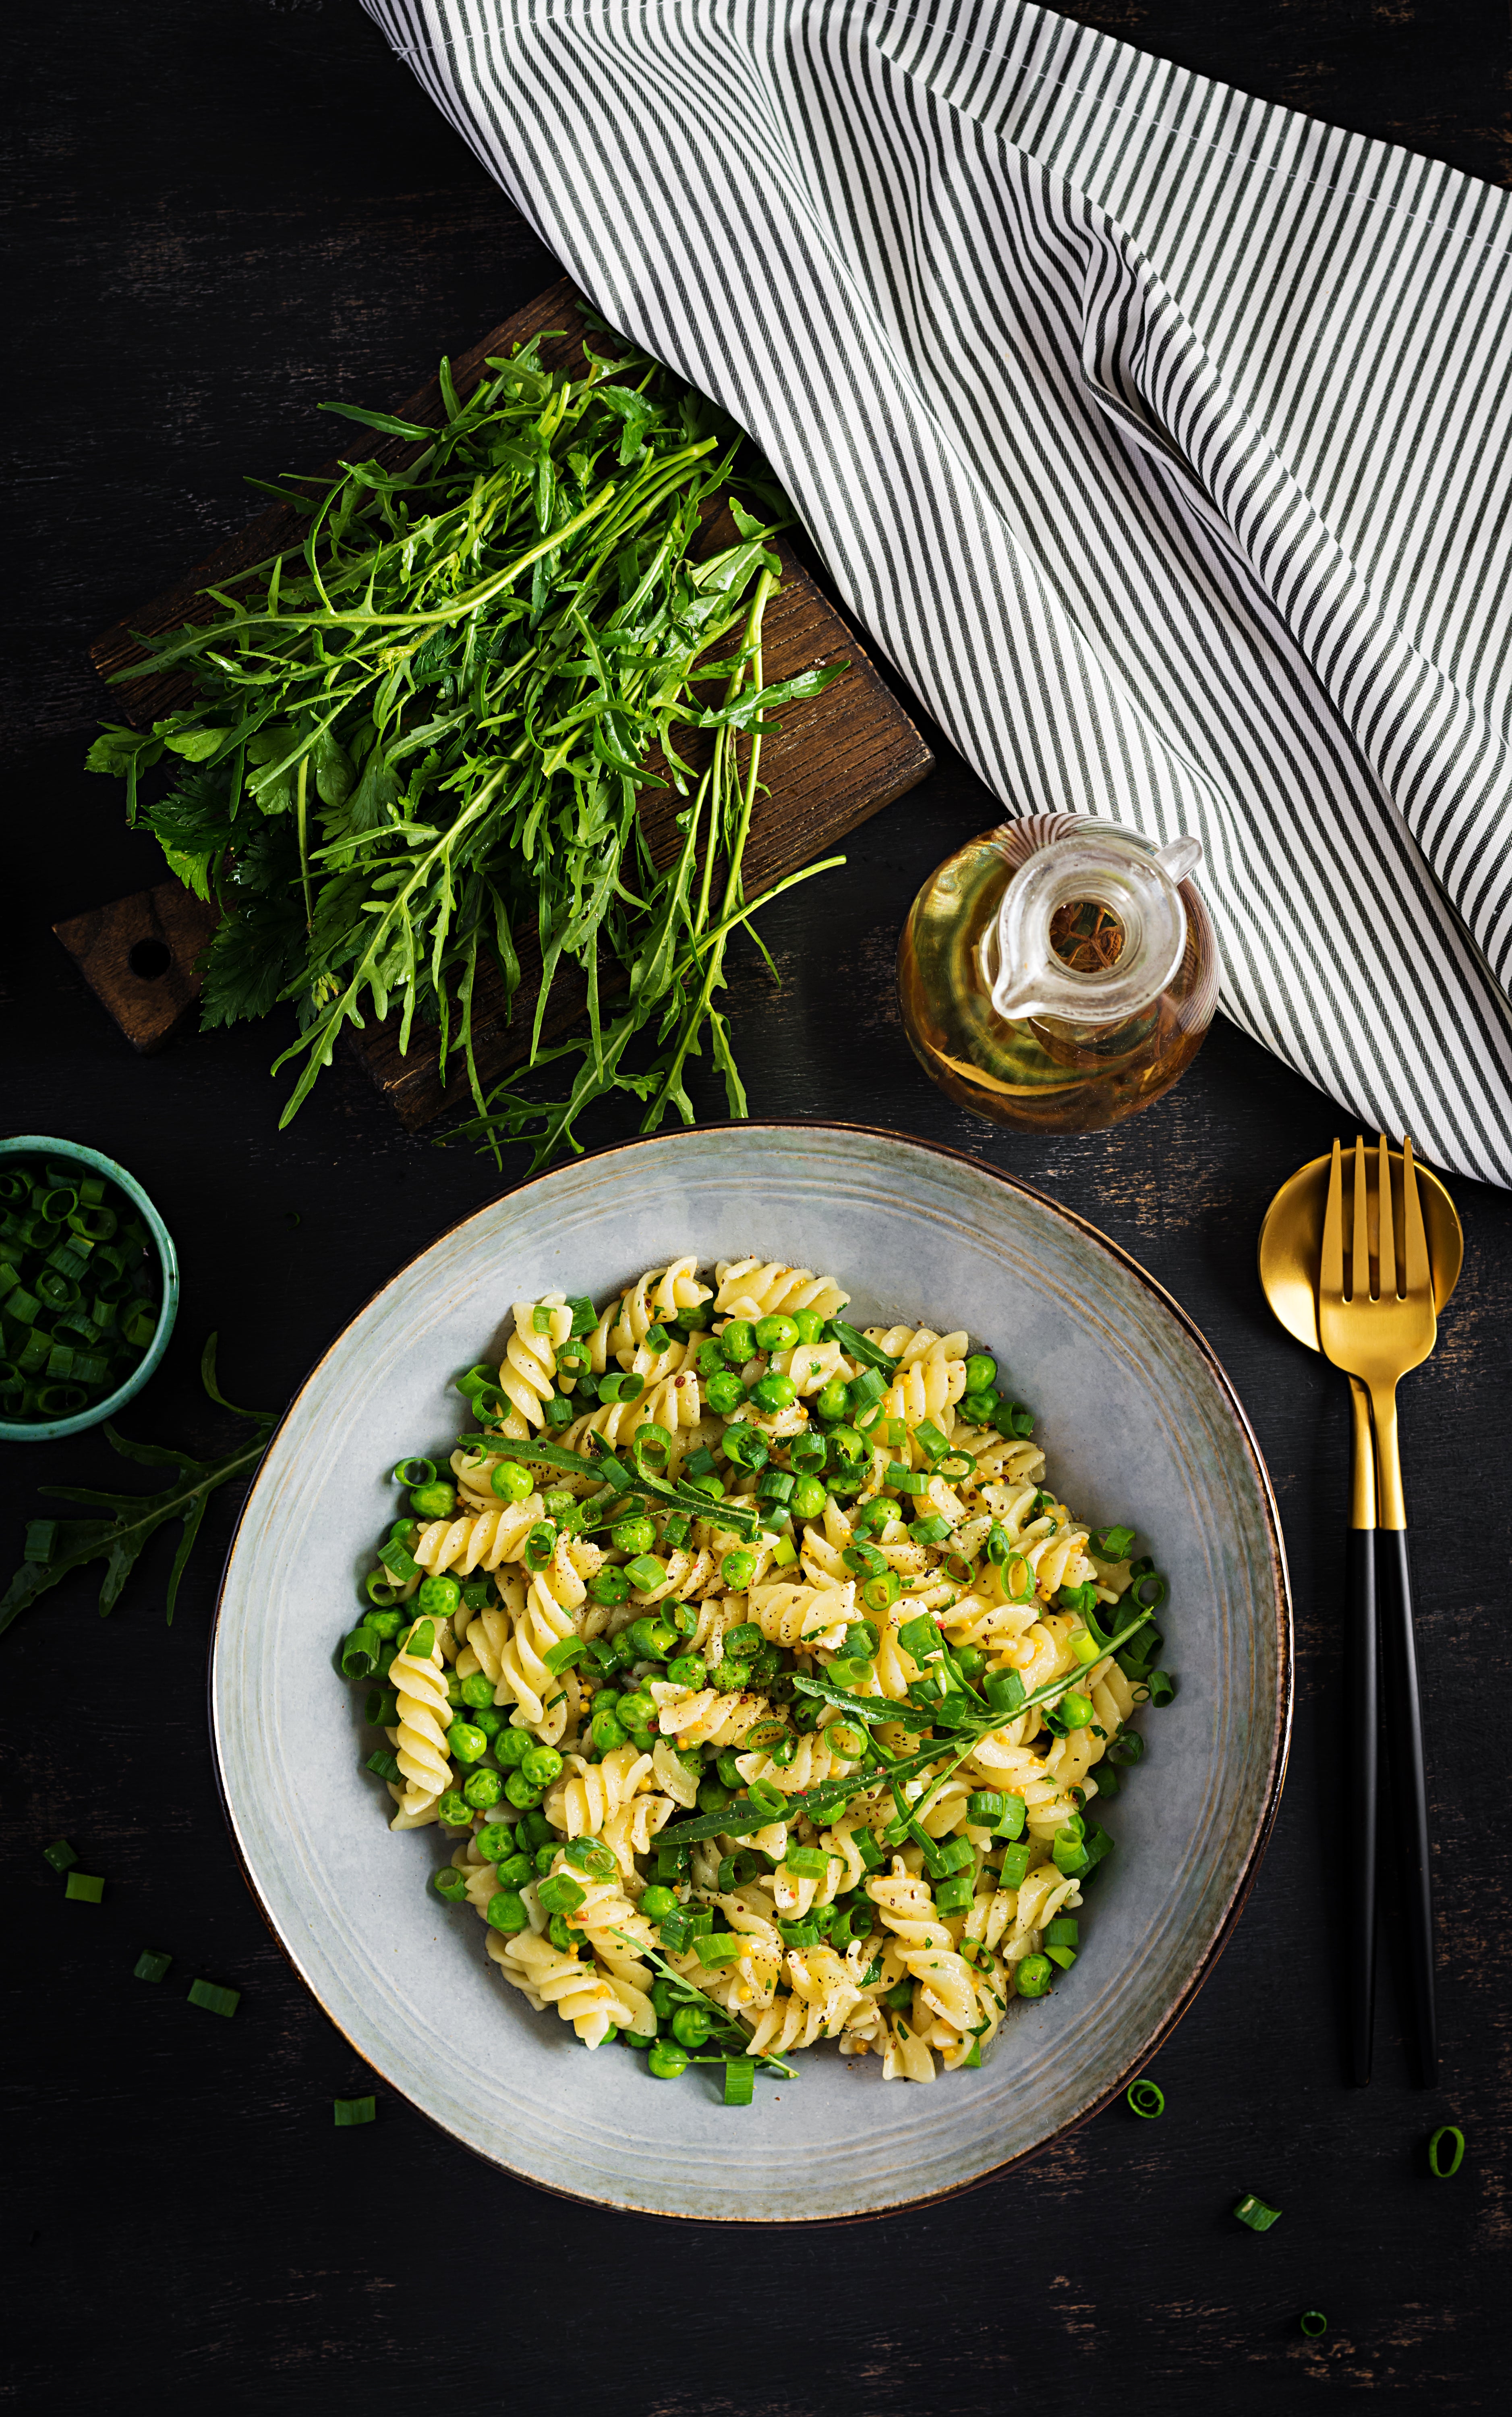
x=1059 y=973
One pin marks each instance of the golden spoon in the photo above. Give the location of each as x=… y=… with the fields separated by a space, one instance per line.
x=1291 y=1257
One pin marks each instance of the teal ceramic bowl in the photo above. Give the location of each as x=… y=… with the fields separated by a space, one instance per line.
x=50 y=1430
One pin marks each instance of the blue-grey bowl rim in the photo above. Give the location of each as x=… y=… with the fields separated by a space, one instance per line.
x=1280 y=1737
x=30 y=1431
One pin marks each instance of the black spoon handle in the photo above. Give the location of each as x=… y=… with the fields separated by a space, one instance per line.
x=1409 y=1787
x=1362 y=1713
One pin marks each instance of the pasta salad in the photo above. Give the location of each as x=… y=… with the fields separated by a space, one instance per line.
x=759 y=1682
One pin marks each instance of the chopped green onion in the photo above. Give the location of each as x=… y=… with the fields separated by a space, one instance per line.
x=1064 y=1956
x=1455 y=2138
x=930 y=1440
x=921 y=1638
x=360 y=1653
x=720 y=1947
x=382 y=1764
x=42 y=1536
x=1255 y=2212
x=1162 y=1688
x=60 y=1855
x=954 y=1466
x=1016 y=1863
x=413 y=1472
x=215 y=2000
x=85 y=1885
x=1064 y=1931
x=766 y=1798
x=150 y=1965
x=560 y=1894
x=350 y=2111
x=811 y=1863
x=1146 y=2098
x=1140 y=1595
x=932 y=1531
x=584 y=1316
x=739 y=2080
x=397 y=1561
x=1111 y=1544
x=1313 y=2322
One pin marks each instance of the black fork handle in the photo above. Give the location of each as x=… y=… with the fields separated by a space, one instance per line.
x=1409 y=1787
x=1363 y=1712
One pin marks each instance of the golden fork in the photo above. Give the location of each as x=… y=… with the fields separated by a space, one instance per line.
x=1376 y=1338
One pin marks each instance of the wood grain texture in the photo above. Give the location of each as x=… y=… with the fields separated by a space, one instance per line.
x=231 y=213
x=140 y=957
x=835 y=759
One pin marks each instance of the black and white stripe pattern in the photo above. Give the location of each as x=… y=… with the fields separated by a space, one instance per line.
x=1161 y=435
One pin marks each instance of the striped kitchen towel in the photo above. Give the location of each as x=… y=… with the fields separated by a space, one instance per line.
x=1163 y=438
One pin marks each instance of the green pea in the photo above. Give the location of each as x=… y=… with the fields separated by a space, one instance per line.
x=609 y=1586
x=483 y=1789
x=728 y=1769
x=511 y=1746
x=510 y=1481
x=466 y=1744
x=1033 y=1975
x=489 y=1718
x=899 y=1997
x=385 y=1624
x=737 y=1568
x=692 y=2025
x=561 y=1936
x=633 y=1536
x=830 y=1400
x=452 y=1809
x=1075 y=1710
x=773 y=1392
x=433 y=1501
x=809 y=1324
x=545 y=1857
x=724 y=1392
x=709 y=1360
x=438 y=1597
x=738 y=1341
x=541 y=1765
x=558 y=1503
x=981 y=1372
x=637 y=1709
x=712 y=1797
x=519 y=1791
x=607 y=1731
x=495 y=1840
x=477 y=1691
x=977 y=1409
x=776 y=1334
x=652 y=1638
x=688 y=1670
x=658 y=1902
x=507 y=1911
x=516 y=1870
x=970 y=1660
x=663 y=2001
x=808 y=1498
x=537 y=1828
x=668 y=2060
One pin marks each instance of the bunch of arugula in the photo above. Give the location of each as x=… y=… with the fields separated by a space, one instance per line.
x=426 y=729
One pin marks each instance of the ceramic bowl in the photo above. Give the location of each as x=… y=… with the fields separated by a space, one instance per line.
x=40 y=1145
x=1139 y=1424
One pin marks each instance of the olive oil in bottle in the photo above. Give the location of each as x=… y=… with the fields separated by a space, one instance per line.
x=1059 y=973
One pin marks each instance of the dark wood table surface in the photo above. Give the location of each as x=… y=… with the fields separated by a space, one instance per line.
x=224 y=215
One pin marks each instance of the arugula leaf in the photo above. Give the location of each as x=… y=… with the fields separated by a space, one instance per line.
x=118 y=1540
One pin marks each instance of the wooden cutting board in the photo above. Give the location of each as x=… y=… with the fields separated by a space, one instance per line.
x=837 y=760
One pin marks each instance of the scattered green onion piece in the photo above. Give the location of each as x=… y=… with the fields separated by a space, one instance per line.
x=739 y=2080
x=60 y=1855
x=215 y=2000
x=1143 y=1599
x=1313 y=2322
x=382 y=1764
x=720 y=1947
x=413 y=1472
x=932 y=1531
x=42 y=1536
x=350 y=2111
x=150 y=1965
x=1255 y=2212
x=1146 y=2098
x=449 y=1884
x=1162 y=1688
x=86 y=1886
x=922 y=1639
x=1436 y=2166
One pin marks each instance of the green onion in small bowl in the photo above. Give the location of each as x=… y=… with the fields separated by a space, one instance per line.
x=83 y=1321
